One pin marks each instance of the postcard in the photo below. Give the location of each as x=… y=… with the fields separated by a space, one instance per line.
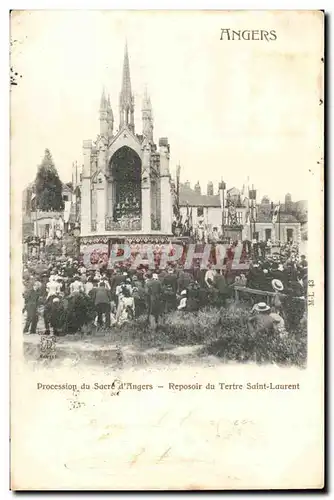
x=167 y=243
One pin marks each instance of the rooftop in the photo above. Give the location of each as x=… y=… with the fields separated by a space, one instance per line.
x=193 y=199
x=264 y=217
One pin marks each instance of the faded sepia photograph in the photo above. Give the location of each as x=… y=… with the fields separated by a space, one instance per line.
x=167 y=249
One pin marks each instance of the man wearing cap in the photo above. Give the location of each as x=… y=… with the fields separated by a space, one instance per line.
x=278 y=288
x=261 y=322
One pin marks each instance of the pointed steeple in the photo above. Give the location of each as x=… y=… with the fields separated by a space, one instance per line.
x=104 y=113
x=126 y=82
x=110 y=118
x=103 y=101
x=126 y=101
x=147 y=106
x=109 y=109
x=147 y=116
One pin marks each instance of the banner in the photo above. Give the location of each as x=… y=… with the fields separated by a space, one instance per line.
x=275 y=214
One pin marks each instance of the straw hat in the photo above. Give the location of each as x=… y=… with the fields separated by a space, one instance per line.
x=277 y=285
x=261 y=307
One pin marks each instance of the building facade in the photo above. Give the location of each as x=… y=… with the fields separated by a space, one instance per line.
x=214 y=211
x=44 y=224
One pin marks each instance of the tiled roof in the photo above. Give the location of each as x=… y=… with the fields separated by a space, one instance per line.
x=284 y=218
x=189 y=196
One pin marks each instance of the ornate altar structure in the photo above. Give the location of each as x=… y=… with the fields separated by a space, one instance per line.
x=233 y=228
x=126 y=183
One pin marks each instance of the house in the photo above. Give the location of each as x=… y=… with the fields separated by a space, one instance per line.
x=208 y=208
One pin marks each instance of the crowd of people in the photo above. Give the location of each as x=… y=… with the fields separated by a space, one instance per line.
x=68 y=296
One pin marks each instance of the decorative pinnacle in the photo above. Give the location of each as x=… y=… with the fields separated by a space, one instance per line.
x=126 y=95
x=103 y=102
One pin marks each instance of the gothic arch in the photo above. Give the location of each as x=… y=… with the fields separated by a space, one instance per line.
x=124 y=138
x=125 y=168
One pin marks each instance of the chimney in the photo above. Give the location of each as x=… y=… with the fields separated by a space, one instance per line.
x=197 y=188
x=210 y=188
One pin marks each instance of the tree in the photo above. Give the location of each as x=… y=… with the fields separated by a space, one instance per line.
x=48 y=186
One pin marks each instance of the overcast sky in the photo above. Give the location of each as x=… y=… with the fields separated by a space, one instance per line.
x=230 y=109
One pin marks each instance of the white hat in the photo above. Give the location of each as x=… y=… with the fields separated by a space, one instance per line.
x=261 y=307
x=155 y=276
x=184 y=292
x=277 y=285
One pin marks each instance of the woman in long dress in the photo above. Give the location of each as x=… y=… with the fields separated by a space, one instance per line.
x=126 y=306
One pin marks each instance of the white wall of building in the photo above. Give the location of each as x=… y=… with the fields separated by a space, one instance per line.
x=212 y=216
x=286 y=228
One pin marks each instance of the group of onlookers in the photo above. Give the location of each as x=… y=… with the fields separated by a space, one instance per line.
x=69 y=296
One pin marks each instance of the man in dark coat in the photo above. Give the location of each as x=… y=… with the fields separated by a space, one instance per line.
x=117 y=279
x=32 y=300
x=171 y=279
x=222 y=287
x=154 y=296
x=183 y=281
x=254 y=277
x=102 y=304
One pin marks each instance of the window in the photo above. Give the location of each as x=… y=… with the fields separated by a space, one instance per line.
x=65 y=197
x=289 y=235
x=268 y=234
x=200 y=212
x=239 y=218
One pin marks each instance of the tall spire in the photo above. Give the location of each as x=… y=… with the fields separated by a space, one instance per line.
x=126 y=82
x=103 y=102
x=126 y=101
x=146 y=101
x=147 y=116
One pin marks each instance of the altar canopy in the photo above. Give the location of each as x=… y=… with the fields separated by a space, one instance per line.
x=125 y=168
x=126 y=183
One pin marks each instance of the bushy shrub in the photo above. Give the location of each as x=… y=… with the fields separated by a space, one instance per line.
x=222 y=333
x=234 y=342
